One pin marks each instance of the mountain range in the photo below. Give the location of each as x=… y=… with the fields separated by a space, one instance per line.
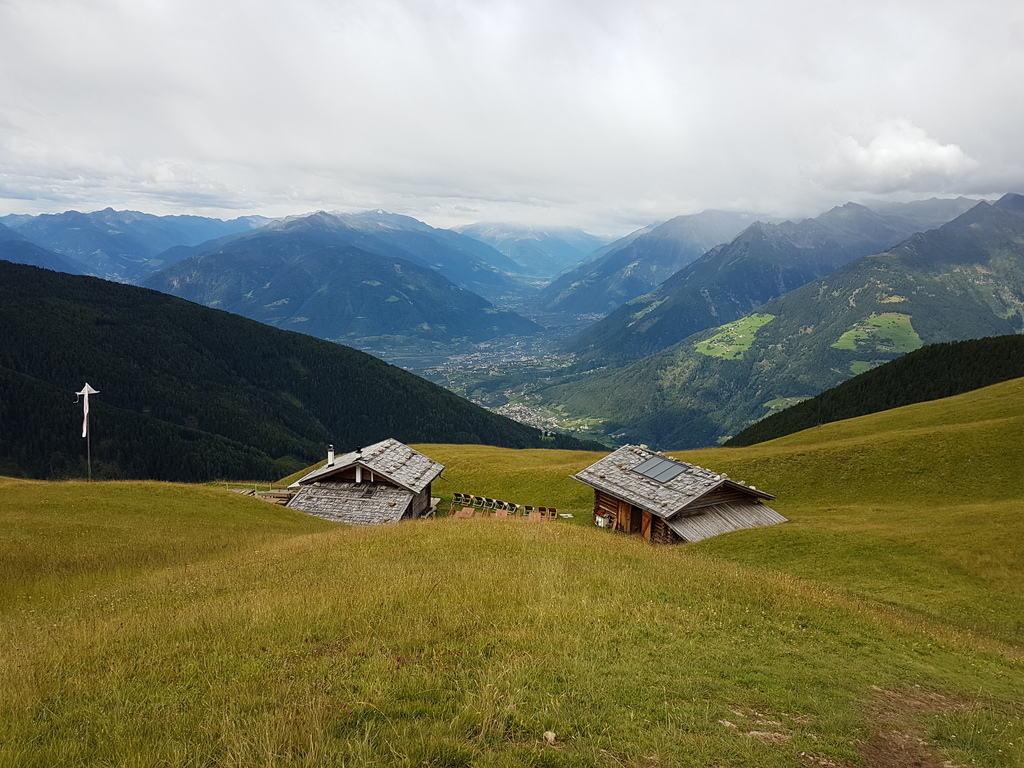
x=192 y=393
x=762 y=262
x=760 y=319
x=466 y=262
x=635 y=264
x=346 y=278
x=15 y=248
x=962 y=280
x=538 y=252
x=125 y=246
x=128 y=246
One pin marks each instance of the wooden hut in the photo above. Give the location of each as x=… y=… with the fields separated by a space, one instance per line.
x=643 y=492
x=383 y=483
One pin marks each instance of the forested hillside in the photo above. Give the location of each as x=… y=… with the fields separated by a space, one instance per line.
x=191 y=393
x=930 y=373
x=762 y=262
x=961 y=281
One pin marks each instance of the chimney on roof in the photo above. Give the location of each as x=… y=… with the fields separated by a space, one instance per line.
x=330 y=454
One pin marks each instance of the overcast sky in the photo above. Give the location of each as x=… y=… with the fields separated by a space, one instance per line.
x=606 y=114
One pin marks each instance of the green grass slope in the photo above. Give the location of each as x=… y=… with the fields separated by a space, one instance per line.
x=882 y=625
x=918 y=507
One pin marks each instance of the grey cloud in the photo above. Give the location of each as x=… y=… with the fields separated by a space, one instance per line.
x=606 y=114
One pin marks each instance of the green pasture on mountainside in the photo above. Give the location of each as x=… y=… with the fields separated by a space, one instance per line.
x=887 y=332
x=160 y=624
x=732 y=341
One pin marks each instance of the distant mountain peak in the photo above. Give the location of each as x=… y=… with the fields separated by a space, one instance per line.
x=635 y=264
x=1010 y=202
x=763 y=261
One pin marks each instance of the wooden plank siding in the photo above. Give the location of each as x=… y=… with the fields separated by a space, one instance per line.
x=661 y=533
x=605 y=504
x=625 y=517
x=724 y=518
x=718 y=496
x=420 y=503
x=651 y=527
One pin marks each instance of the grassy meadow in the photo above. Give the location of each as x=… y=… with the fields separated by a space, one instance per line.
x=149 y=624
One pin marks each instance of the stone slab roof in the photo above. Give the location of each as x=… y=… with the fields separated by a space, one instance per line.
x=362 y=504
x=615 y=475
x=389 y=458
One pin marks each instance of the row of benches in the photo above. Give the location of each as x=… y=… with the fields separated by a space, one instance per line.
x=482 y=506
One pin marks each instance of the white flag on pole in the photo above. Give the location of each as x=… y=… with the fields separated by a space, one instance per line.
x=85 y=392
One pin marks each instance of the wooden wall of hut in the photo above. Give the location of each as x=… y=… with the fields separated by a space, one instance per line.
x=629 y=519
x=662 y=534
x=604 y=504
x=719 y=496
x=420 y=503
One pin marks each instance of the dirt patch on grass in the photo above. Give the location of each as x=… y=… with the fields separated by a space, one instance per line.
x=897 y=739
x=897 y=733
x=895 y=721
x=769 y=737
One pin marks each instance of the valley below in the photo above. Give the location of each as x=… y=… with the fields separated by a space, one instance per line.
x=501 y=374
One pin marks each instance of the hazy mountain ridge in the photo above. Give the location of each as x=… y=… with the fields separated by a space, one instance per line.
x=963 y=280
x=464 y=261
x=15 y=248
x=294 y=275
x=733 y=279
x=125 y=246
x=635 y=264
x=542 y=252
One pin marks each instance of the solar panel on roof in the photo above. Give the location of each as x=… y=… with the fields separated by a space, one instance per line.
x=659 y=468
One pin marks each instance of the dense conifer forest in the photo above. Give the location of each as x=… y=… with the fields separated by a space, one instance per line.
x=930 y=373
x=190 y=393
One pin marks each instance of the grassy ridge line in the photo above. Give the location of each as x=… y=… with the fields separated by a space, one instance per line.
x=474 y=638
x=959 y=448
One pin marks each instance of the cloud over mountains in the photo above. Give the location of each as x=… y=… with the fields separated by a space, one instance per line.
x=604 y=114
x=898 y=157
